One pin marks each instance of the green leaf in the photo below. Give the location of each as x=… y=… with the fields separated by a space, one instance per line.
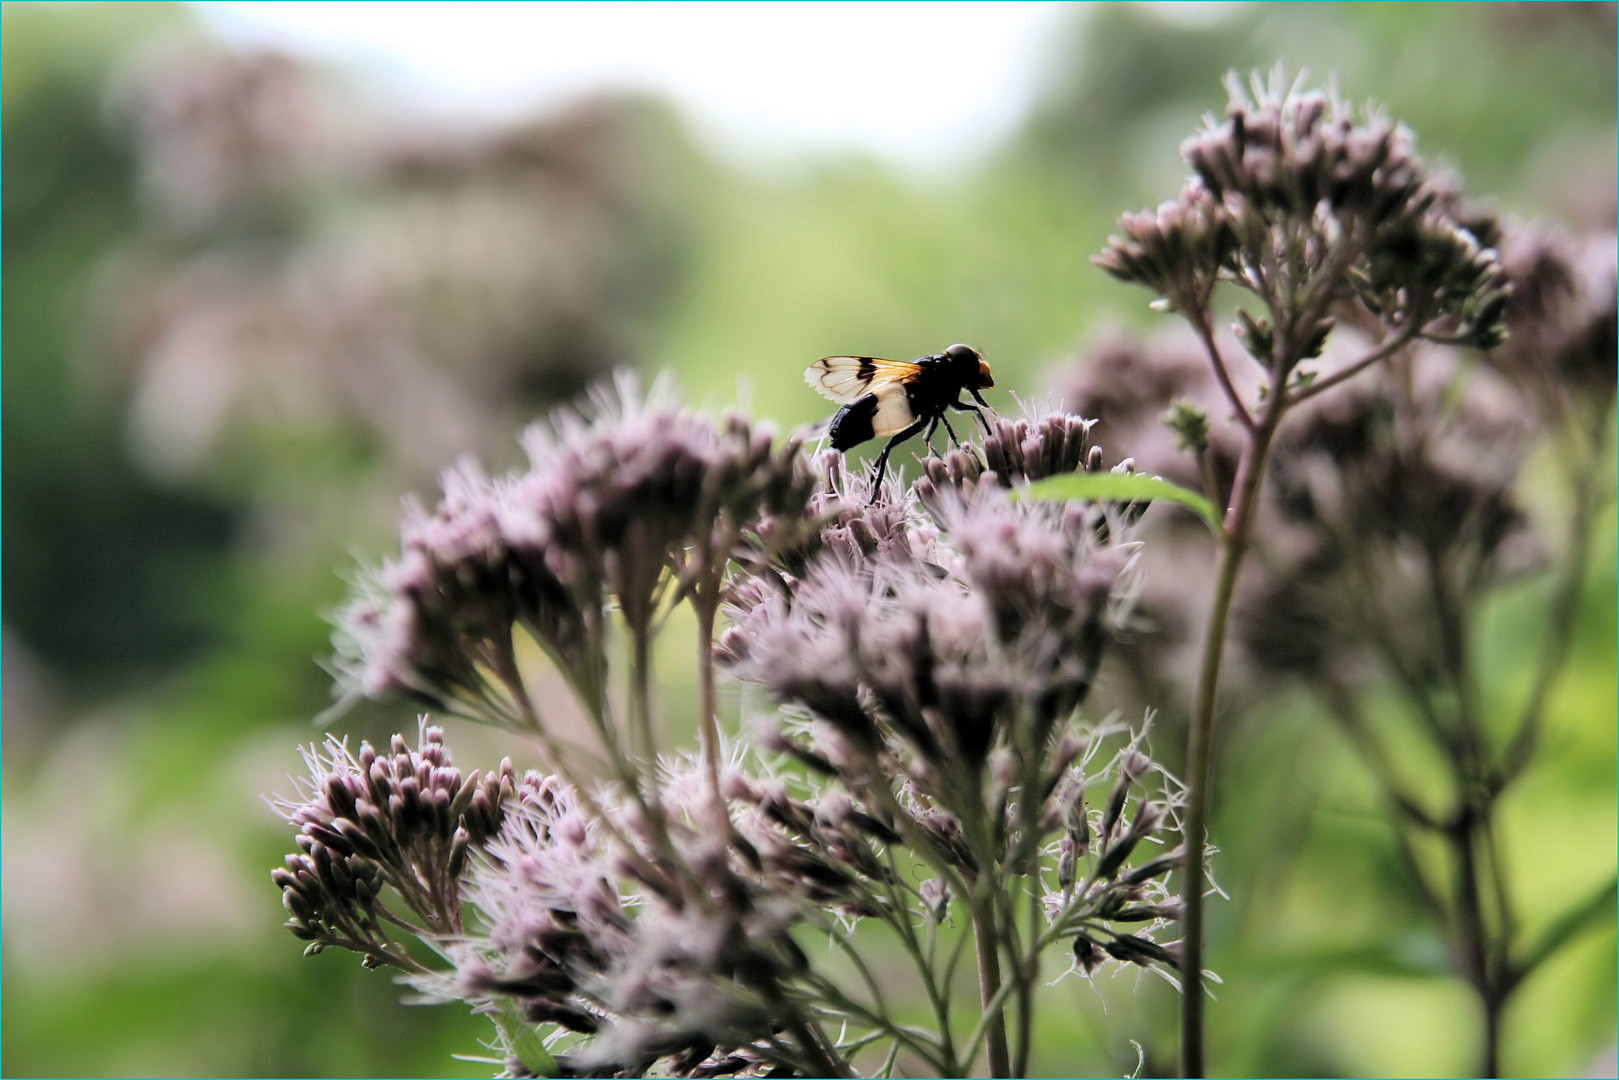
x=1415 y=954
x=522 y=1040
x=1595 y=910
x=1123 y=487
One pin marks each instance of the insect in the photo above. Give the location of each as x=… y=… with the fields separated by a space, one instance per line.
x=887 y=397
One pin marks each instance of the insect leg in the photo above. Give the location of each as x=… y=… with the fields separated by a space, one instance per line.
x=953 y=440
x=882 y=458
x=962 y=406
x=980 y=399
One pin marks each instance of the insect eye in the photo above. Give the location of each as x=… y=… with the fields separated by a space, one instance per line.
x=962 y=352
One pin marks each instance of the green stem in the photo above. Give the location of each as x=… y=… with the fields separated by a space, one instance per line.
x=551 y=754
x=879 y=1003
x=1026 y=864
x=1594 y=911
x=1473 y=941
x=1199 y=742
x=1471 y=931
x=1028 y=972
x=985 y=1026
x=1494 y=1006
x=707 y=608
x=642 y=741
x=1345 y=712
x=645 y=742
x=838 y=1003
x=989 y=981
x=815 y=1046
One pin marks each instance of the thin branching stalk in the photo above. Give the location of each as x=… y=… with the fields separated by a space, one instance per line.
x=840 y=1003
x=898 y=917
x=1199 y=760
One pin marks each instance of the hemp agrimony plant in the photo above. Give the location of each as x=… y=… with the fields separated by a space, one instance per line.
x=917 y=780
x=1392 y=515
x=920 y=778
x=1394 y=365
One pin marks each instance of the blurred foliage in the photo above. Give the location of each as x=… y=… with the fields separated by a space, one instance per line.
x=132 y=562
x=206 y=412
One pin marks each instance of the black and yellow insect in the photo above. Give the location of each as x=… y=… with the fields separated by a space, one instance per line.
x=888 y=397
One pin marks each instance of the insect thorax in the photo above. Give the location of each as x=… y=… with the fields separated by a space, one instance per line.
x=935 y=386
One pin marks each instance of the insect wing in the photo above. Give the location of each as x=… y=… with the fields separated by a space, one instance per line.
x=845 y=378
x=893 y=413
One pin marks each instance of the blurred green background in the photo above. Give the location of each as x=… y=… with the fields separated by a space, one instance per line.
x=248 y=304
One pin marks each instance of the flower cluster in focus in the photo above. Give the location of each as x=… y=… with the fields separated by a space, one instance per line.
x=637 y=500
x=406 y=819
x=931 y=667
x=1292 y=195
x=929 y=770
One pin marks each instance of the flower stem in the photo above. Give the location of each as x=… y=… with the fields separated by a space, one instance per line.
x=1491 y=1064
x=989 y=982
x=707 y=608
x=1199 y=741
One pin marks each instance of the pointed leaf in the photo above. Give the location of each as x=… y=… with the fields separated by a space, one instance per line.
x=1123 y=487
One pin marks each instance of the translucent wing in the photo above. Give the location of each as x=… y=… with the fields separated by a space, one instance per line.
x=893 y=413
x=845 y=378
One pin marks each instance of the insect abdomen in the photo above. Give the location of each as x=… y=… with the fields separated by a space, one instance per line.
x=852 y=425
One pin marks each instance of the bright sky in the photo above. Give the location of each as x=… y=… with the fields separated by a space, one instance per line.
x=921 y=83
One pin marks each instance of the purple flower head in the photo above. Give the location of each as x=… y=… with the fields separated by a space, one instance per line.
x=635 y=500
x=1054 y=592
x=921 y=667
x=1292 y=178
x=404 y=818
x=626 y=492
x=695 y=969
x=1420 y=454
x=858 y=521
x=1384 y=484
x=1041 y=443
x=1281 y=151
x=1562 y=319
x=1173 y=249
x=436 y=623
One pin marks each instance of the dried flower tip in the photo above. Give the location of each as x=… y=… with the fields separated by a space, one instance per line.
x=1068 y=864
x=1087 y=956
x=1169 y=911
x=1148 y=817
x=1163 y=864
x=1139 y=950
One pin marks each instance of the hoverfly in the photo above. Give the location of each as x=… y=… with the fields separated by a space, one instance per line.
x=887 y=397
